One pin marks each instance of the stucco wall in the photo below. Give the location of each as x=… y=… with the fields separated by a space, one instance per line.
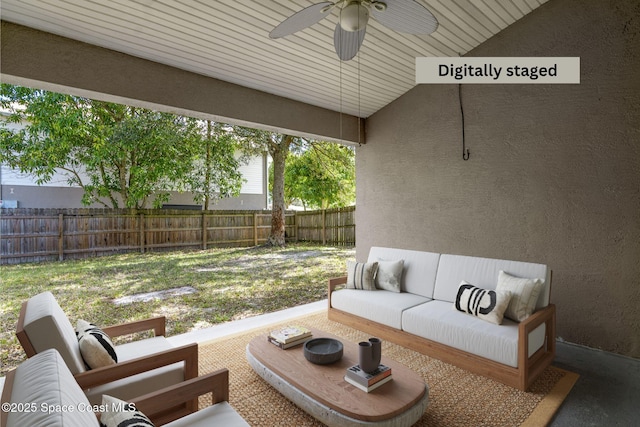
x=554 y=173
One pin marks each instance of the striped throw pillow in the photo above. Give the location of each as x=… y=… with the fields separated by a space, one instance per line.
x=361 y=275
x=118 y=413
x=96 y=347
x=525 y=295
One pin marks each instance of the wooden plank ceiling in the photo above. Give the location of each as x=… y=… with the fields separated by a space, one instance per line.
x=228 y=40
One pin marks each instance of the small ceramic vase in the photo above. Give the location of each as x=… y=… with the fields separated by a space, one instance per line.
x=376 y=344
x=366 y=360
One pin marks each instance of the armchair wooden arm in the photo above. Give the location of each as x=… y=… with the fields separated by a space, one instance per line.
x=158 y=324
x=187 y=353
x=333 y=285
x=534 y=365
x=154 y=405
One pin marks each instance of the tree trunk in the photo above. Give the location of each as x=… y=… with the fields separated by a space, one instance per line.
x=207 y=170
x=279 y=154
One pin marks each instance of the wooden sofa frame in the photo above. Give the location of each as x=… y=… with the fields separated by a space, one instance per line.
x=529 y=368
x=95 y=377
x=154 y=405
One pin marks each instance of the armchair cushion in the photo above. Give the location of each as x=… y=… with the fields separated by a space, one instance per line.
x=96 y=347
x=139 y=384
x=220 y=414
x=47 y=326
x=46 y=381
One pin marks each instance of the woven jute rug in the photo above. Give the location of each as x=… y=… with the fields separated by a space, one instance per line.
x=456 y=397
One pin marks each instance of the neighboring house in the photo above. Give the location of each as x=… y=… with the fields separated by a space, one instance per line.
x=19 y=190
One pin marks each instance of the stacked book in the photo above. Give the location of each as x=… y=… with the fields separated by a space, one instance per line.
x=368 y=381
x=289 y=336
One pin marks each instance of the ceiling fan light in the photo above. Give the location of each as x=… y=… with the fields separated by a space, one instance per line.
x=354 y=16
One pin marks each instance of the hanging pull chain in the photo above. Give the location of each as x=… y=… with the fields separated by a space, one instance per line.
x=465 y=151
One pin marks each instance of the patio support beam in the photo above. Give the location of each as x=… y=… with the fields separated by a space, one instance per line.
x=39 y=59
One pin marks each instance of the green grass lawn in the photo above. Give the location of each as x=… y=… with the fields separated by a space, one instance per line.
x=230 y=284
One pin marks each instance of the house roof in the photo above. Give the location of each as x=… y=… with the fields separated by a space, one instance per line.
x=228 y=40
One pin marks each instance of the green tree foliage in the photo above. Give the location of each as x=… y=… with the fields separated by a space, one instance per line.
x=321 y=176
x=121 y=156
x=216 y=173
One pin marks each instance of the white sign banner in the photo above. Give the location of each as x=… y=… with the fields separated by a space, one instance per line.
x=498 y=70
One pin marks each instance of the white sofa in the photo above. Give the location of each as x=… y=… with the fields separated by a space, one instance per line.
x=43 y=392
x=421 y=316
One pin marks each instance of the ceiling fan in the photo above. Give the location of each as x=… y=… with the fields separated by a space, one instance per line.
x=404 y=16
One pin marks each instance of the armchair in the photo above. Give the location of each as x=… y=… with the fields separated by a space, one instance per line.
x=143 y=366
x=42 y=391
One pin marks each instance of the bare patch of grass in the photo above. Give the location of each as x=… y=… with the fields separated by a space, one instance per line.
x=231 y=284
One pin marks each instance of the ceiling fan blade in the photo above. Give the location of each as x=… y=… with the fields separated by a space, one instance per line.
x=302 y=19
x=406 y=16
x=347 y=43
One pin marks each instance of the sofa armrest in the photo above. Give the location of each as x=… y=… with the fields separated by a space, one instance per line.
x=154 y=405
x=158 y=324
x=546 y=316
x=333 y=285
x=106 y=374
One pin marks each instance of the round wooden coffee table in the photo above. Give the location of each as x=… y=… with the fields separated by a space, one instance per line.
x=322 y=392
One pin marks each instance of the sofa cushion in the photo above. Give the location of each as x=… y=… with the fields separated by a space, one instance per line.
x=47 y=327
x=96 y=347
x=380 y=306
x=389 y=275
x=119 y=413
x=44 y=379
x=485 y=304
x=524 y=295
x=436 y=321
x=361 y=275
x=220 y=414
x=143 y=383
x=483 y=272
x=419 y=271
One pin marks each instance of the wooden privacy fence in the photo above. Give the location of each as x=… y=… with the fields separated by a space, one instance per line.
x=32 y=235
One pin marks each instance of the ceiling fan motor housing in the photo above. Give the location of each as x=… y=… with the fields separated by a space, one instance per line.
x=354 y=16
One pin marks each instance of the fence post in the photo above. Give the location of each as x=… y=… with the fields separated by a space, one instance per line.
x=204 y=231
x=295 y=225
x=255 y=229
x=141 y=233
x=60 y=237
x=324 y=226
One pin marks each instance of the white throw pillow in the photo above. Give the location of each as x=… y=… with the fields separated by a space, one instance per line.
x=389 y=275
x=118 y=413
x=96 y=347
x=361 y=275
x=483 y=303
x=524 y=292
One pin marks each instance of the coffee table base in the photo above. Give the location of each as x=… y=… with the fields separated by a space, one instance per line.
x=327 y=415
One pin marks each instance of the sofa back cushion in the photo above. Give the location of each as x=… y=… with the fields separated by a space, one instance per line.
x=47 y=327
x=483 y=273
x=419 y=271
x=45 y=381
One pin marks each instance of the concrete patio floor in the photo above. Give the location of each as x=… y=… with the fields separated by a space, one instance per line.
x=606 y=394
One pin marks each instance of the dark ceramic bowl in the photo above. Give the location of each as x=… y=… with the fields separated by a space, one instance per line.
x=323 y=351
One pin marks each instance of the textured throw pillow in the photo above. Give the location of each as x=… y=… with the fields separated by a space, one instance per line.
x=96 y=347
x=524 y=296
x=361 y=275
x=118 y=413
x=389 y=275
x=483 y=303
